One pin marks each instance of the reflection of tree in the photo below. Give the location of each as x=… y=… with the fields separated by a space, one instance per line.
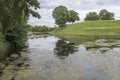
x=63 y=48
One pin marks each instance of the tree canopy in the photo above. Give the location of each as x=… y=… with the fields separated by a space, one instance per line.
x=16 y=11
x=13 y=19
x=72 y=16
x=103 y=15
x=62 y=15
x=91 y=16
x=64 y=49
x=106 y=15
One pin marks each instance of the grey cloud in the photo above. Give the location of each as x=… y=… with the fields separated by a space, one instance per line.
x=108 y=2
x=77 y=4
x=81 y=6
x=85 y=2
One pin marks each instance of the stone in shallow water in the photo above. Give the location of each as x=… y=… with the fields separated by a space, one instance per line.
x=2 y=65
x=103 y=50
x=14 y=56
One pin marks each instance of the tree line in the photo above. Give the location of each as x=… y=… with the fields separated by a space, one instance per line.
x=103 y=15
x=39 y=29
x=62 y=15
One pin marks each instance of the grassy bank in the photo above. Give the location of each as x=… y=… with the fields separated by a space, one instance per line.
x=90 y=30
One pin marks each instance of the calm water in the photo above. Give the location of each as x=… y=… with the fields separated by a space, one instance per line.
x=52 y=58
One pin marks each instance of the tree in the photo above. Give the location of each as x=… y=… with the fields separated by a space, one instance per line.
x=72 y=16
x=62 y=15
x=106 y=15
x=92 y=16
x=13 y=18
x=63 y=49
x=16 y=11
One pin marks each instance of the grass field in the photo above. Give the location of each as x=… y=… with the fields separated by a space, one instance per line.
x=90 y=30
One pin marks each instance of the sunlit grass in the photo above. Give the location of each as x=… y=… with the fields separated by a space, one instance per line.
x=90 y=30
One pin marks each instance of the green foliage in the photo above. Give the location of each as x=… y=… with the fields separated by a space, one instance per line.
x=72 y=16
x=103 y=15
x=64 y=49
x=40 y=29
x=17 y=38
x=13 y=19
x=62 y=16
x=106 y=15
x=92 y=16
x=15 y=11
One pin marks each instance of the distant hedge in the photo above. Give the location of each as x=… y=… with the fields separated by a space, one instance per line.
x=40 y=29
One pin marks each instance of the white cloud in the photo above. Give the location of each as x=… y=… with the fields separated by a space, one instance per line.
x=81 y=6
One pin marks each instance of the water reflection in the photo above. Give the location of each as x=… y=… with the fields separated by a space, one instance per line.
x=64 y=48
x=39 y=36
x=82 y=64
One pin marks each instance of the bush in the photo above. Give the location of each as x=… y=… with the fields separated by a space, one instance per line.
x=17 y=38
x=40 y=29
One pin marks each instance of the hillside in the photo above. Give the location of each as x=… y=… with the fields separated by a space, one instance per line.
x=91 y=28
x=89 y=31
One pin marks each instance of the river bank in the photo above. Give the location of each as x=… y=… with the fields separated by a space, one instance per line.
x=12 y=64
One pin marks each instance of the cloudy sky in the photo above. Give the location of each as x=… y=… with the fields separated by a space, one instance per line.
x=80 y=6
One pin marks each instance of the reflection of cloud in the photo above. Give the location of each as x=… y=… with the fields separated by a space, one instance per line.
x=81 y=6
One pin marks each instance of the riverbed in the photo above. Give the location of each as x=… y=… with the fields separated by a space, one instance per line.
x=53 y=58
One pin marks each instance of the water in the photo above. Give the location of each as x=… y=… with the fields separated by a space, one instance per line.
x=52 y=58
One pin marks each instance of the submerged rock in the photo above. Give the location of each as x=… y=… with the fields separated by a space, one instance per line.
x=2 y=65
x=14 y=56
x=14 y=64
x=103 y=50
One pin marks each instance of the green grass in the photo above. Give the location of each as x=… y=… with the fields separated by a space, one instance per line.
x=90 y=30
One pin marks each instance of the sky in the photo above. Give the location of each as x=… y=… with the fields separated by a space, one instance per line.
x=81 y=6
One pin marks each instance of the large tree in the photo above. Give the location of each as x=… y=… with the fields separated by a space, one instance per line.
x=91 y=16
x=106 y=15
x=16 y=11
x=13 y=19
x=62 y=15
